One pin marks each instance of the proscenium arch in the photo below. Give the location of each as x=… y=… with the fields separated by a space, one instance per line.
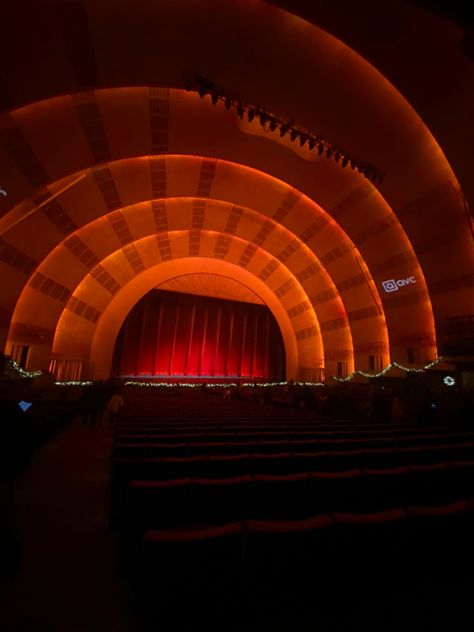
x=108 y=326
x=335 y=352
x=26 y=302
x=136 y=163
x=76 y=326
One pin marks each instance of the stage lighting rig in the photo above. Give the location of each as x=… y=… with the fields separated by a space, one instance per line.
x=204 y=86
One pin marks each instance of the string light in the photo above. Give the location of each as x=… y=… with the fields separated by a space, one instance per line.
x=14 y=365
x=387 y=368
x=220 y=384
x=74 y=383
x=366 y=374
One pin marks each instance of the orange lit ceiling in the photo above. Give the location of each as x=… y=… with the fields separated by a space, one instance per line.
x=111 y=189
x=215 y=285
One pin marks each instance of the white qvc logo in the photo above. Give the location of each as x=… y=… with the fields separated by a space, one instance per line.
x=392 y=285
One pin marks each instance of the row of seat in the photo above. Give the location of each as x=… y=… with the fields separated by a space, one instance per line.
x=242 y=568
x=215 y=466
x=136 y=434
x=201 y=501
x=219 y=421
x=325 y=440
x=267 y=446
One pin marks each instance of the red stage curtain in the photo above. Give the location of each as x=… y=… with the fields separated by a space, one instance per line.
x=174 y=334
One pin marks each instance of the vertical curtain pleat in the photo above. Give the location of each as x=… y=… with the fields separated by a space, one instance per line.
x=172 y=334
x=148 y=338
x=130 y=349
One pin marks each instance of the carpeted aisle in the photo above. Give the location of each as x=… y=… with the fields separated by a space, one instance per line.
x=67 y=577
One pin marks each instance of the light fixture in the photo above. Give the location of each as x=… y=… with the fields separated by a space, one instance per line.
x=204 y=86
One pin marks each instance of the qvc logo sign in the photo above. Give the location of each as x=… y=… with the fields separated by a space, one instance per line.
x=392 y=285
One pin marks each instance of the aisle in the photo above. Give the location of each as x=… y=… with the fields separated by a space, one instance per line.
x=67 y=579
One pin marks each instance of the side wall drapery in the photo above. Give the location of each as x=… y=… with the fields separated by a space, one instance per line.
x=174 y=334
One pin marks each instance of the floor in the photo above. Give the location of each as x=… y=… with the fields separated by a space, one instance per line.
x=66 y=577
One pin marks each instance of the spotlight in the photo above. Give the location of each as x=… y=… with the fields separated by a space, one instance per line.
x=251 y=115
x=283 y=129
x=240 y=109
x=204 y=86
x=293 y=134
x=228 y=103
x=372 y=172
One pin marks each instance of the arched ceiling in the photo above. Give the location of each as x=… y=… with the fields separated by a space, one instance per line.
x=104 y=184
x=214 y=285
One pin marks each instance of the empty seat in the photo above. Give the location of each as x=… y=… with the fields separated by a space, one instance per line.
x=220 y=500
x=444 y=545
x=223 y=466
x=281 y=497
x=158 y=504
x=279 y=463
x=336 y=491
x=189 y=576
x=285 y=560
x=372 y=548
x=182 y=466
x=153 y=505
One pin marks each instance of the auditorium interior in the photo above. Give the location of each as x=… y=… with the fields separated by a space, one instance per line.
x=236 y=315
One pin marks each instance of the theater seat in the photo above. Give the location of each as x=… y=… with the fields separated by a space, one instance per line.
x=220 y=500
x=273 y=464
x=444 y=543
x=151 y=505
x=286 y=562
x=191 y=576
x=336 y=491
x=223 y=466
x=183 y=466
x=372 y=547
x=281 y=497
